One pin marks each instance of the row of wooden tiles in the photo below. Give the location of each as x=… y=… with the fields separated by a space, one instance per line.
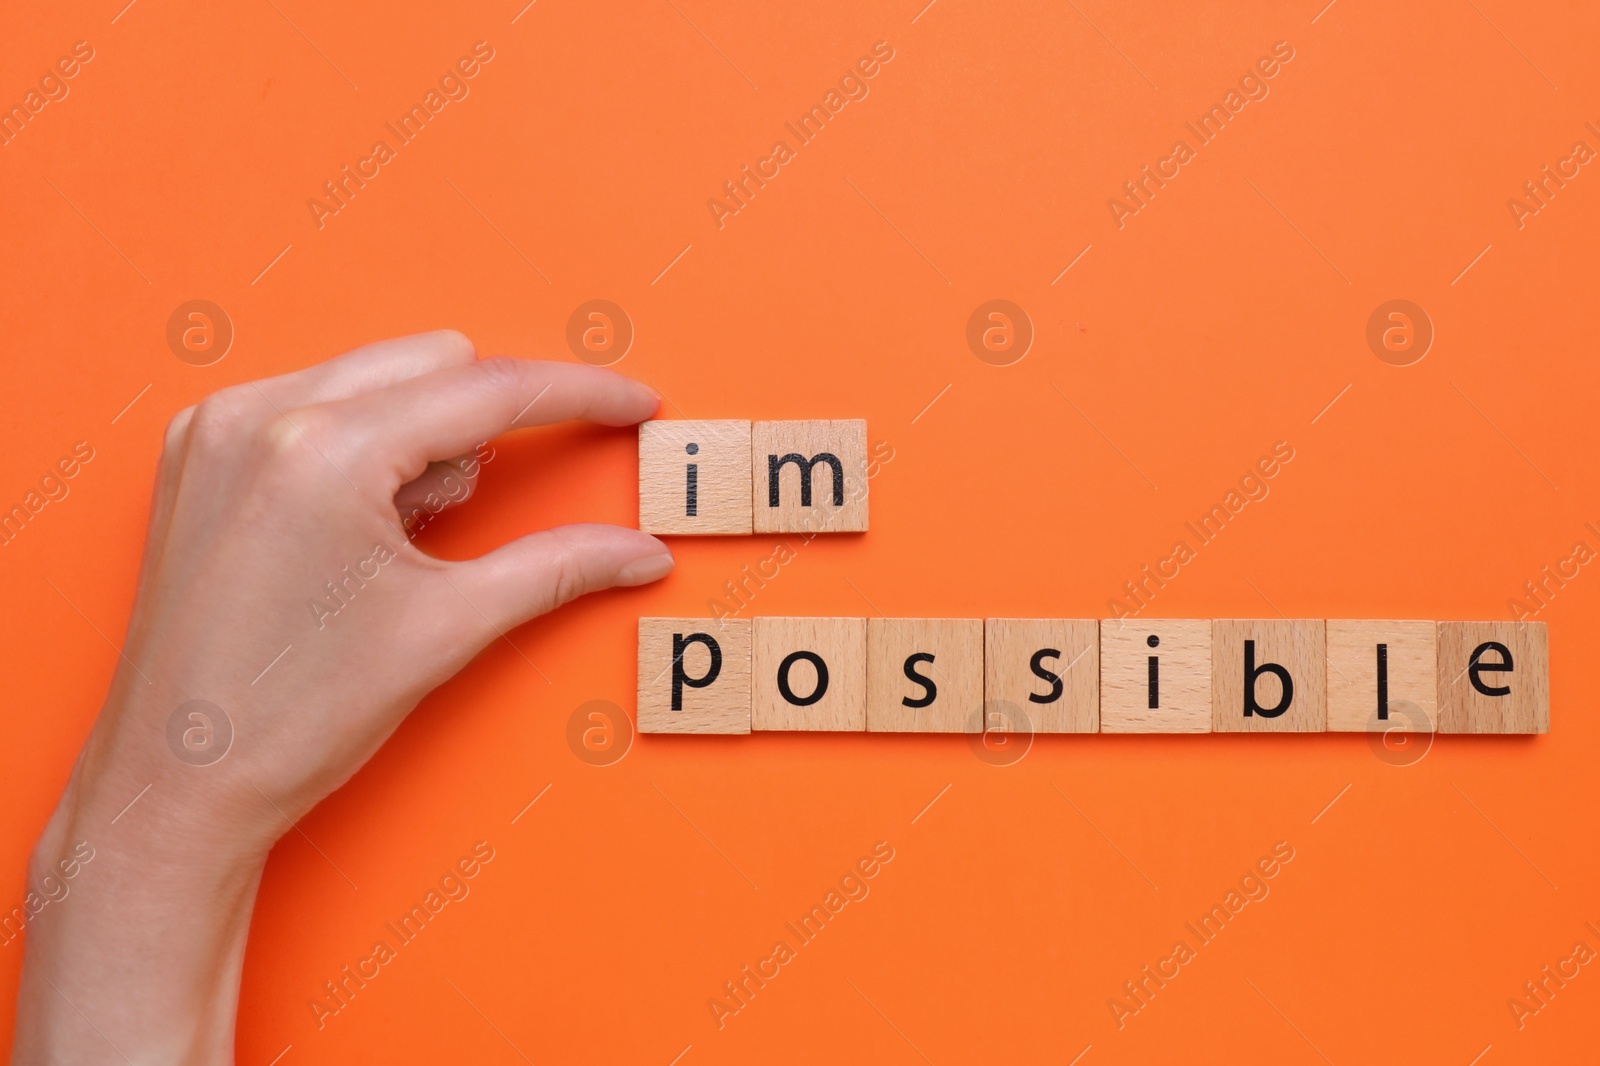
x=733 y=476
x=956 y=675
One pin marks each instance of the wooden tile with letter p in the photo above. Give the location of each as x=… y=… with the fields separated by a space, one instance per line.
x=925 y=675
x=694 y=477
x=694 y=675
x=810 y=673
x=1382 y=676
x=1494 y=677
x=1155 y=675
x=1269 y=675
x=1045 y=668
x=810 y=476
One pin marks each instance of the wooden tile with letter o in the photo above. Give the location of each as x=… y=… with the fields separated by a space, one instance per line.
x=1382 y=676
x=694 y=675
x=694 y=477
x=810 y=476
x=925 y=675
x=810 y=673
x=1155 y=675
x=1494 y=677
x=1269 y=675
x=1045 y=668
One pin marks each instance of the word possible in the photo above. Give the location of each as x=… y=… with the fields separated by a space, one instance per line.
x=853 y=888
x=54 y=889
x=453 y=888
x=1141 y=190
x=54 y=487
x=1542 y=989
x=1542 y=589
x=742 y=189
x=452 y=86
x=936 y=675
x=1143 y=988
x=1543 y=189
x=1253 y=487
x=739 y=591
x=53 y=88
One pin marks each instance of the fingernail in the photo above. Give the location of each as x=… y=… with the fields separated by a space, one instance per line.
x=643 y=571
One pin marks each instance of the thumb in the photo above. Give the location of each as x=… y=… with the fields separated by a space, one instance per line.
x=537 y=573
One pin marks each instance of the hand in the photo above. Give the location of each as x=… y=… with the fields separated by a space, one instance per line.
x=279 y=535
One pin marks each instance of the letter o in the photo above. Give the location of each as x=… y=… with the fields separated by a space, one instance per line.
x=783 y=678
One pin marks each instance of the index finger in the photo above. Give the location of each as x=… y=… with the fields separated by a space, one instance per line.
x=450 y=411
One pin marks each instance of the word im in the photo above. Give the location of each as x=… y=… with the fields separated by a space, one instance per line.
x=452 y=889
x=852 y=889
x=1543 y=189
x=453 y=86
x=1212 y=123
x=811 y=124
x=1143 y=988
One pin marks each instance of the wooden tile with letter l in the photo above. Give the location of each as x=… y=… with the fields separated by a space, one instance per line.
x=1155 y=675
x=1045 y=668
x=694 y=675
x=1494 y=677
x=810 y=673
x=1382 y=675
x=810 y=476
x=1269 y=675
x=925 y=675
x=694 y=477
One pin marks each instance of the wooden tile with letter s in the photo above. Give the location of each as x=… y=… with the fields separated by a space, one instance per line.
x=1045 y=668
x=925 y=675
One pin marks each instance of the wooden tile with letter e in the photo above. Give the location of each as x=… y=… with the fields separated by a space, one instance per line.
x=810 y=673
x=1494 y=677
x=810 y=477
x=694 y=477
x=1382 y=676
x=1045 y=668
x=925 y=675
x=1269 y=675
x=694 y=675
x=1155 y=675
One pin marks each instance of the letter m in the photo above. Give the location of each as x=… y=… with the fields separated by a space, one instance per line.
x=776 y=463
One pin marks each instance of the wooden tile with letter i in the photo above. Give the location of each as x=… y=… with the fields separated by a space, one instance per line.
x=1382 y=676
x=694 y=675
x=1494 y=677
x=1155 y=675
x=1047 y=669
x=925 y=675
x=810 y=673
x=810 y=476
x=694 y=477
x=1269 y=675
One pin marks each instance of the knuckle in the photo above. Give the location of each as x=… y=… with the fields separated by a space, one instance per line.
x=569 y=580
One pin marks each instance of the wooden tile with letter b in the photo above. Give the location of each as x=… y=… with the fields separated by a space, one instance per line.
x=1494 y=677
x=1045 y=668
x=925 y=675
x=694 y=675
x=1269 y=675
x=810 y=476
x=694 y=477
x=1155 y=675
x=1382 y=676
x=810 y=673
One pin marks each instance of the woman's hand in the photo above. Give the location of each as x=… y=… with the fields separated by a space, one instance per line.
x=280 y=587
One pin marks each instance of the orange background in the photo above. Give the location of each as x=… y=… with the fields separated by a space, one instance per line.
x=1222 y=318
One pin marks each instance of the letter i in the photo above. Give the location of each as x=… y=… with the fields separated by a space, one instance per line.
x=691 y=487
x=1383 y=682
x=1155 y=672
